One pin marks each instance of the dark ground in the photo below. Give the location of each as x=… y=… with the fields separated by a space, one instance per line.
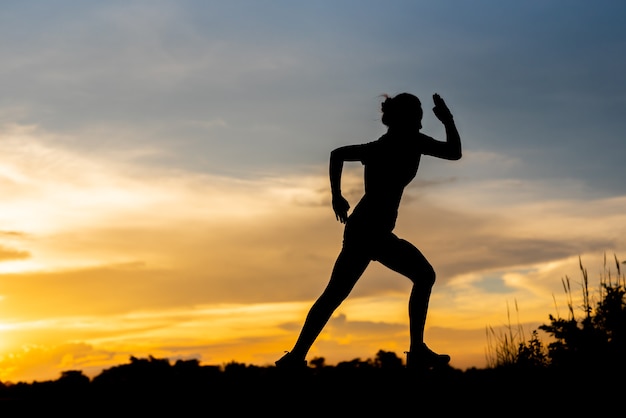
x=156 y=388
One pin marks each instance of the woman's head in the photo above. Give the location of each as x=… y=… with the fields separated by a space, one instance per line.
x=402 y=111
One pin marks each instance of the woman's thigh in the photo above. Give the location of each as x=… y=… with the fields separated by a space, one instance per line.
x=348 y=268
x=403 y=257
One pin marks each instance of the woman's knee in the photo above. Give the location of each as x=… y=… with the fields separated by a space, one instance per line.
x=430 y=275
x=424 y=276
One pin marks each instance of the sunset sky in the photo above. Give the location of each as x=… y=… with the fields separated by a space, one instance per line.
x=164 y=172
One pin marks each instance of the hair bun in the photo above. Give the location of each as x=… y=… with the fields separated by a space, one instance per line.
x=386 y=105
x=400 y=109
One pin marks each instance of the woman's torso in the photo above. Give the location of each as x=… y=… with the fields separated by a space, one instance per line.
x=390 y=163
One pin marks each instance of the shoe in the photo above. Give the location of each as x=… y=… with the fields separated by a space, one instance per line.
x=289 y=362
x=424 y=358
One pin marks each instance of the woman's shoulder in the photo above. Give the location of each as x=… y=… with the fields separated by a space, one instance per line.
x=423 y=137
x=424 y=141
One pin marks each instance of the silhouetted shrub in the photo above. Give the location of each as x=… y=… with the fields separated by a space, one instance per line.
x=594 y=343
x=388 y=360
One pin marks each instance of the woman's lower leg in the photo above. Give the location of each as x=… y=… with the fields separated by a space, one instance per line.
x=316 y=319
x=346 y=272
x=418 y=308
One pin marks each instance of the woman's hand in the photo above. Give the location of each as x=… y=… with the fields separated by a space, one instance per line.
x=341 y=206
x=441 y=109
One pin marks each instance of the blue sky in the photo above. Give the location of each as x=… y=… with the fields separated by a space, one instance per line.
x=171 y=157
x=247 y=87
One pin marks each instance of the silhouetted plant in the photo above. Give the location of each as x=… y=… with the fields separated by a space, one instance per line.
x=597 y=340
x=610 y=313
x=356 y=363
x=318 y=362
x=532 y=354
x=73 y=378
x=388 y=360
x=234 y=367
x=508 y=348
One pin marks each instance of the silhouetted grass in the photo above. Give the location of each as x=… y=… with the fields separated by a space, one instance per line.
x=502 y=346
x=595 y=341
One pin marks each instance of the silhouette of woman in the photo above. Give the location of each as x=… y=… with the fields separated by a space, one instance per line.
x=390 y=163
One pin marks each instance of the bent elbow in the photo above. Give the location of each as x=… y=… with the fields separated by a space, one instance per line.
x=453 y=155
x=333 y=159
x=338 y=154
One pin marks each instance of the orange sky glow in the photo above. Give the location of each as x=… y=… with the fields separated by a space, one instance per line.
x=101 y=261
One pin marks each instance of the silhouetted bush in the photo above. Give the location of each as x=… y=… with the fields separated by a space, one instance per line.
x=388 y=360
x=596 y=340
x=595 y=343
